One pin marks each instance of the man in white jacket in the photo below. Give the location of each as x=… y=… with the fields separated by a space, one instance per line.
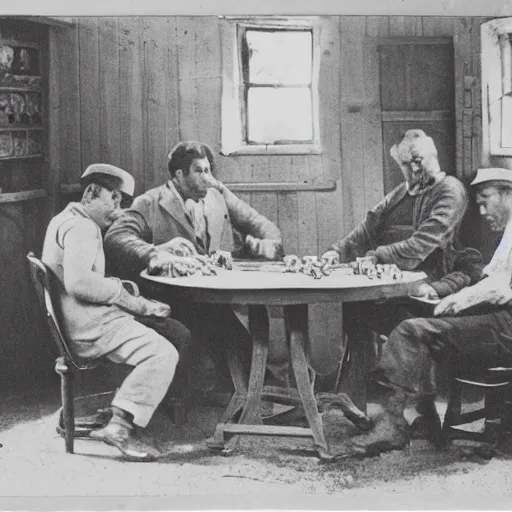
x=99 y=315
x=463 y=336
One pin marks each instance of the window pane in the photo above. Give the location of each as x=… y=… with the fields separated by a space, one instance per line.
x=282 y=114
x=283 y=57
x=506 y=85
x=506 y=122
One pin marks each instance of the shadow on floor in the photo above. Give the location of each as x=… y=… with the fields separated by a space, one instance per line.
x=29 y=418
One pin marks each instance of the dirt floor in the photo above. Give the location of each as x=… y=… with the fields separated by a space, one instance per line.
x=261 y=473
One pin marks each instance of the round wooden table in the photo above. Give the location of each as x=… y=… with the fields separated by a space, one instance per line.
x=293 y=292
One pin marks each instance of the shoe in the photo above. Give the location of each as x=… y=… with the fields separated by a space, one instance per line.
x=389 y=432
x=121 y=438
x=426 y=427
x=349 y=409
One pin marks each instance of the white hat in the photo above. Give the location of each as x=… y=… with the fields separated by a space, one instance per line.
x=127 y=183
x=492 y=174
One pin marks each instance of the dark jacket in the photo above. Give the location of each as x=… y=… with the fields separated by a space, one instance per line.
x=466 y=270
x=158 y=216
x=429 y=246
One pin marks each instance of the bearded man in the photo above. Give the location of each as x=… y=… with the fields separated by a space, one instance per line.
x=464 y=336
x=433 y=204
x=196 y=211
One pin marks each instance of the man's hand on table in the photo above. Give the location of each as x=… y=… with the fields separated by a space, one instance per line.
x=330 y=258
x=268 y=249
x=155 y=308
x=162 y=259
x=424 y=290
x=370 y=257
x=178 y=246
x=495 y=292
x=449 y=306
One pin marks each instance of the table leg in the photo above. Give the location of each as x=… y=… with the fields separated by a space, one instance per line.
x=352 y=380
x=237 y=401
x=259 y=328
x=296 y=318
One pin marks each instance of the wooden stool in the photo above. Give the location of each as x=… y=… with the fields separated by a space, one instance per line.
x=495 y=382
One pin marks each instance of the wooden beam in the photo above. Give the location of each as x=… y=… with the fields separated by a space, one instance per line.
x=278 y=186
x=380 y=41
x=16 y=197
x=54 y=21
x=411 y=115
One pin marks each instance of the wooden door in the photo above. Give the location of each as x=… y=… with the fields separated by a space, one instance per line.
x=417 y=90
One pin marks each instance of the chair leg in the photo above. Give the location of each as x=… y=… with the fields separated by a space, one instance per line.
x=68 y=406
x=494 y=408
x=507 y=413
x=453 y=410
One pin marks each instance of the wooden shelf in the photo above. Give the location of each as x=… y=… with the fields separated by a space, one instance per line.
x=25 y=157
x=18 y=44
x=21 y=88
x=20 y=128
x=25 y=195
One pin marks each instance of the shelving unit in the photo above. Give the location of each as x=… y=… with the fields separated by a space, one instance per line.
x=22 y=116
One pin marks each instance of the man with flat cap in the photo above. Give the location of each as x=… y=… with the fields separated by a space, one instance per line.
x=464 y=335
x=415 y=226
x=99 y=313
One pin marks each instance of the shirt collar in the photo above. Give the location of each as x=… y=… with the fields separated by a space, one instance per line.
x=420 y=188
x=78 y=209
x=175 y=192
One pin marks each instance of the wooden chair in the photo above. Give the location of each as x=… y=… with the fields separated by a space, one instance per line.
x=68 y=363
x=497 y=412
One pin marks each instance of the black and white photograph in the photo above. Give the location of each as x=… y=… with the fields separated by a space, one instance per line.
x=256 y=257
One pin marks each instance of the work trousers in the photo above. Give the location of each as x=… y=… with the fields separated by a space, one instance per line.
x=153 y=358
x=217 y=329
x=361 y=319
x=463 y=345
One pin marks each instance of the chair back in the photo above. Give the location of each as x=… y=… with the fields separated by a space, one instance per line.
x=42 y=278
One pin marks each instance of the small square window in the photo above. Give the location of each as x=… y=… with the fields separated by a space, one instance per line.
x=270 y=88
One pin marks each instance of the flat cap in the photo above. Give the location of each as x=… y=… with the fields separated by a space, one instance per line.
x=492 y=174
x=126 y=181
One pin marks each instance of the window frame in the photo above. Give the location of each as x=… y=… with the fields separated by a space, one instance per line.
x=233 y=129
x=497 y=85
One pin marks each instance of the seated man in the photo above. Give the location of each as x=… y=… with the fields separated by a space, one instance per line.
x=463 y=336
x=428 y=200
x=434 y=204
x=193 y=206
x=98 y=313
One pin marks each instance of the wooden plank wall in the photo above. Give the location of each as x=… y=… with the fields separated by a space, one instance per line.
x=130 y=88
